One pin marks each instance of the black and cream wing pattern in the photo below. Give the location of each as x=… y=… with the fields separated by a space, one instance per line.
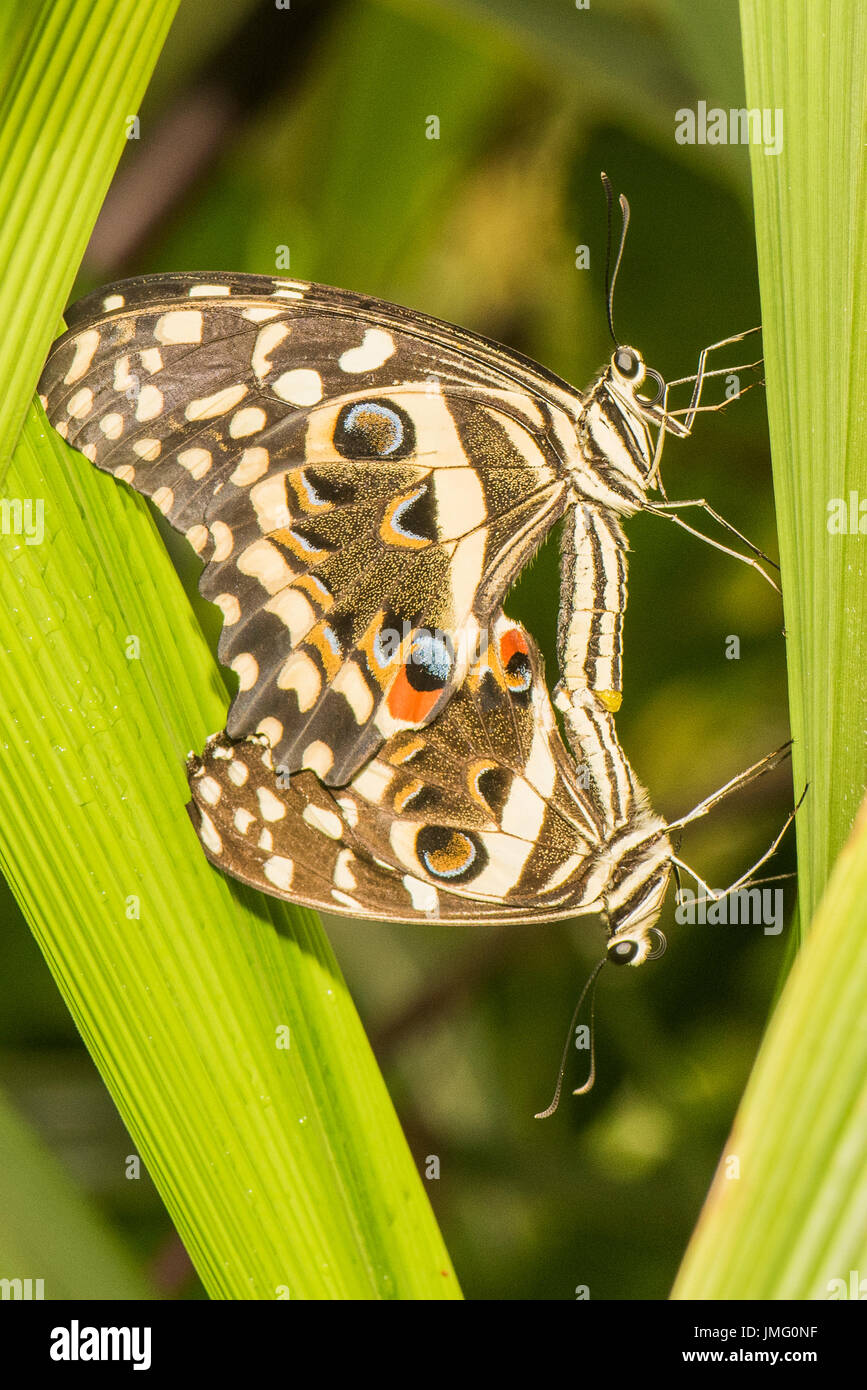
x=362 y=483
x=485 y=815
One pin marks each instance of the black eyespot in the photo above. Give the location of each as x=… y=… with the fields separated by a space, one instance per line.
x=628 y=363
x=414 y=516
x=519 y=673
x=325 y=485
x=431 y=660
x=622 y=952
x=456 y=856
x=311 y=539
x=374 y=430
x=493 y=785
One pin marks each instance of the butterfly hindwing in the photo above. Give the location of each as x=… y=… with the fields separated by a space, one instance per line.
x=362 y=484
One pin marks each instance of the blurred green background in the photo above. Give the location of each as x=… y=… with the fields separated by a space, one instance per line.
x=307 y=129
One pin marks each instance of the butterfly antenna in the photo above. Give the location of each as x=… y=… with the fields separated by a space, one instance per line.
x=611 y=280
x=588 y=1084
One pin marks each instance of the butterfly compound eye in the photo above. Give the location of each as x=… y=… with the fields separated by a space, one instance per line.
x=622 y=952
x=628 y=363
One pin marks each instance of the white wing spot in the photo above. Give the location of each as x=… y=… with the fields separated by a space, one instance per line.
x=425 y=897
x=205 y=291
x=150 y=403
x=81 y=404
x=123 y=379
x=198 y=537
x=223 y=541
x=346 y=901
x=295 y=612
x=247 y=669
x=460 y=502
x=301 y=674
x=328 y=822
x=207 y=407
x=252 y=465
x=375 y=348
x=147 y=449
x=302 y=386
x=243 y=820
x=271 y=729
x=210 y=789
x=112 y=425
x=349 y=809
x=197 y=462
x=279 y=870
x=238 y=772
x=230 y=608
x=208 y=834
x=269 y=338
x=85 y=346
x=151 y=360
x=350 y=683
x=373 y=781
x=262 y=561
x=125 y=472
x=247 y=421
x=113 y=301
x=343 y=875
x=319 y=758
x=179 y=326
x=164 y=498
x=258 y=313
x=271 y=806
x=269 y=500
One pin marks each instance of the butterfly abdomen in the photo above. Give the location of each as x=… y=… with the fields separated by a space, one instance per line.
x=592 y=603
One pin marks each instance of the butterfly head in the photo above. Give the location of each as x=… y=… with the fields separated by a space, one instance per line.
x=626 y=373
x=614 y=436
x=634 y=897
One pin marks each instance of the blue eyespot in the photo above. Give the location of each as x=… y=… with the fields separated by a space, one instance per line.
x=431 y=661
x=374 y=430
x=453 y=855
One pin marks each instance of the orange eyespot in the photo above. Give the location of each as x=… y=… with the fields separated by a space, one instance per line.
x=511 y=642
x=408 y=704
x=517 y=666
x=446 y=853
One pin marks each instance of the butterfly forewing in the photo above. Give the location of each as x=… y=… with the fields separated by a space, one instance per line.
x=362 y=483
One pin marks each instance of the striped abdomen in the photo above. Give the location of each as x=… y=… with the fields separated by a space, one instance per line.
x=592 y=603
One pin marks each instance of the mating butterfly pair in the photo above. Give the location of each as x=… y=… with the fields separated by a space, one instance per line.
x=363 y=485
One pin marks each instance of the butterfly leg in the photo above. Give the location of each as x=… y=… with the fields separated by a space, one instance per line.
x=666 y=511
x=701 y=375
x=716 y=894
x=667 y=419
x=765 y=764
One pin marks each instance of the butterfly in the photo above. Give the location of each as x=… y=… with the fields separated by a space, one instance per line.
x=363 y=484
x=486 y=815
